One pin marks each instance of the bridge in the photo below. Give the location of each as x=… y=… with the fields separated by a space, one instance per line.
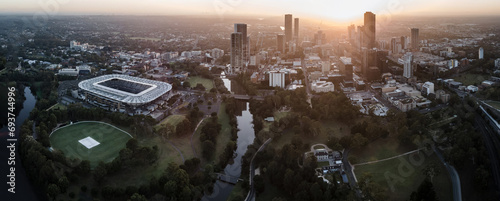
x=245 y=97
x=228 y=179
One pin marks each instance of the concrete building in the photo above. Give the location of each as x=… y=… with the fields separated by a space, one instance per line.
x=428 y=88
x=296 y=30
x=280 y=43
x=288 y=28
x=414 y=39
x=369 y=60
x=408 y=65
x=242 y=28
x=325 y=66
x=442 y=95
x=322 y=86
x=345 y=67
x=237 y=62
x=369 y=29
x=277 y=79
x=68 y=72
x=321 y=154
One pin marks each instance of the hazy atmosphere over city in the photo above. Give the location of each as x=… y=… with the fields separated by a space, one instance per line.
x=215 y=100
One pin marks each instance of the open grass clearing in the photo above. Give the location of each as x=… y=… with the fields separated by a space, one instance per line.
x=412 y=176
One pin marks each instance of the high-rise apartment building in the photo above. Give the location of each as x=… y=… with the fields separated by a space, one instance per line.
x=236 y=53
x=414 y=39
x=280 y=43
x=296 y=30
x=369 y=30
x=288 y=28
x=408 y=65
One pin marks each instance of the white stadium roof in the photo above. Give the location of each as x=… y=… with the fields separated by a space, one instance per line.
x=154 y=89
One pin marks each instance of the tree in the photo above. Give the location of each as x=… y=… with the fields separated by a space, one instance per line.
x=370 y=189
x=63 y=184
x=425 y=192
x=358 y=141
x=100 y=172
x=186 y=84
x=137 y=197
x=259 y=184
x=208 y=148
x=53 y=190
x=431 y=170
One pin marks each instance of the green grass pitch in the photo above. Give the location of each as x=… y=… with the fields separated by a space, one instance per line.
x=111 y=140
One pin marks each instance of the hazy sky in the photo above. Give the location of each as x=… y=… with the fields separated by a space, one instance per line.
x=334 y=10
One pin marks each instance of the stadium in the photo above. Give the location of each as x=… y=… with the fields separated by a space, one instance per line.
x=119 y=91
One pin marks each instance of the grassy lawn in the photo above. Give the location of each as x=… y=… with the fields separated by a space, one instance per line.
x=330 y=128
x=207 y=83
x=380 y=149
x=412 y=177
x=225 y=134
x=111 y=141
x=172 y=120
x=167 y=154
x=471 y=79
x=270 y=192
x=279 y=115
x=237 y=192
x=323 y=163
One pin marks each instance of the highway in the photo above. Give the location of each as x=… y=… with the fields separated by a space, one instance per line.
x=251 y=193
x=490 y=140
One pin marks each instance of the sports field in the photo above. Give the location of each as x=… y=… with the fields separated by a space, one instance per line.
x=93 y=141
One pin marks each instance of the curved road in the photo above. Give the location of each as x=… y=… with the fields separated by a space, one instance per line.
x=455 y=179
x=251 y=193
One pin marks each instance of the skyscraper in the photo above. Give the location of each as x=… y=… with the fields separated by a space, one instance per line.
x=394 y=46
x=369 y=29
x=242 y=28
x=280 y=42
x=319 y=38
x=296 y=30
x=236 y=52
x=369 y=60
x=414 y=39
x=351 y=33
x=403 y=43
x=408 y=65
x=288 y=28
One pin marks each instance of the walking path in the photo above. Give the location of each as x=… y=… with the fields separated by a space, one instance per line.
x=194 y=131
x=386 y=159
x=182 y=156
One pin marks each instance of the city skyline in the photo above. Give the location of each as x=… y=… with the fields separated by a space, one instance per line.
x=320 y=9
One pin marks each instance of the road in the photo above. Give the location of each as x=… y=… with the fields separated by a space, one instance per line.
x=251 y=193
x=489 y=140
x=455 y=178
x=350 y=174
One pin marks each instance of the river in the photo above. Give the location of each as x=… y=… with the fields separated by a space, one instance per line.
x=246 y=137
x=24 y=190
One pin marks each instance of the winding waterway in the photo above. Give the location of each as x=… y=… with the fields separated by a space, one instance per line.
x=246 y=137
x=24 y=190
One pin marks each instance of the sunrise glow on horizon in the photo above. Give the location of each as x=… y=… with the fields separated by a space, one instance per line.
x=334 y=10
